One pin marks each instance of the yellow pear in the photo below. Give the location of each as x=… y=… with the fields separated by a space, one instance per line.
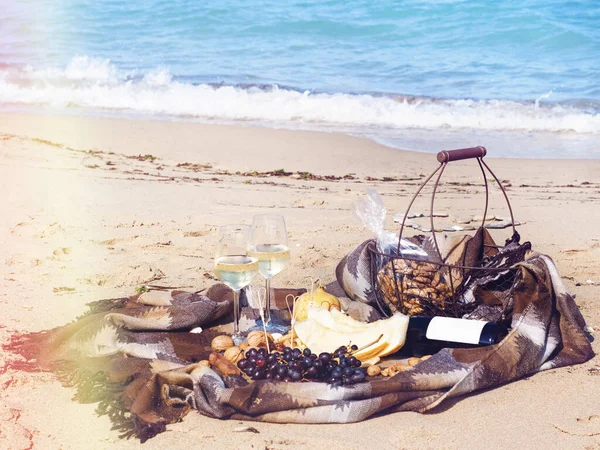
x=320 y=298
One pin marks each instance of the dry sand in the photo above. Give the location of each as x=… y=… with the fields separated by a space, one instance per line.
x=85 y=218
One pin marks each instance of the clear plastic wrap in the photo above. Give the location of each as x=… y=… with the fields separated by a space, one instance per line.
x=371 y=211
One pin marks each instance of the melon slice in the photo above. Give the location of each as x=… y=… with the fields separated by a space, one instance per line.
x=325 y=331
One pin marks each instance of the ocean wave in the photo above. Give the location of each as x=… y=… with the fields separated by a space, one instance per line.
x=97 y=84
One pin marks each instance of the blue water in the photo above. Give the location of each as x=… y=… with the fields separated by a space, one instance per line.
x=386 y=69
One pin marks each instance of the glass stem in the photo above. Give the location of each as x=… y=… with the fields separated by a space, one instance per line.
x=236 y=313
x=268 y=301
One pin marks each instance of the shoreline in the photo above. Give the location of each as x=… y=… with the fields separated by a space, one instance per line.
x=508 y=144
x=21 y=121
x=88 y=215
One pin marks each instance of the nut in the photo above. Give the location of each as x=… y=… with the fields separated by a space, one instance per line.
x=425 y=357
x=221 y=343
x=256 y=338
x=394 y=369
x=413 y=287
x=233 y=354
x=413 y=361
x=374 y=370
x=254 y=333
x=205 y=362
x=261 y=334
x=223 y=366
x=422 y=280
x=286 y=336
x=243 y=346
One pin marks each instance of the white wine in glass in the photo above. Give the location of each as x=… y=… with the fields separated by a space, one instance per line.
x=236 y=271
x=233 y=265
x=272 y=258
x=268 y=244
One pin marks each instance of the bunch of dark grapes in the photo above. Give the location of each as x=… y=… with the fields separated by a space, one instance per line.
x=337 y=369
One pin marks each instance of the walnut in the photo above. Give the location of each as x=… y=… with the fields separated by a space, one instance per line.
x=258 y=338
x=221 y=343
x=233 y=354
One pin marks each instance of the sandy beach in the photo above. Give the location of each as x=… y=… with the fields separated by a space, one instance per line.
x=94 y=208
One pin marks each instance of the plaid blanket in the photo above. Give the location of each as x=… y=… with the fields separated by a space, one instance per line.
x=136 y=357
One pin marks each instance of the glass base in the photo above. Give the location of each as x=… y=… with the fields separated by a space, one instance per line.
x=273 y=326
x=238 y=339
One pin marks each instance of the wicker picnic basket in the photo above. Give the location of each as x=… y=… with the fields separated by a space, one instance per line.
x=435 y=285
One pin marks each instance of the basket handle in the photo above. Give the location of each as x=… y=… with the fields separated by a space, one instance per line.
x=445 y=156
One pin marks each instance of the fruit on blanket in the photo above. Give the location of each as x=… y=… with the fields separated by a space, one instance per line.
x=320 y=298
x=325 y=329
x=221 y=343
x=249 y=349
x=339 y=368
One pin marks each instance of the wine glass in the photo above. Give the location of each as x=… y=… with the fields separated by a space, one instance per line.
x=268 y=244
x=233 y=265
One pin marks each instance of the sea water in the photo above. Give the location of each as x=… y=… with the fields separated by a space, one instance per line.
x=521 y=78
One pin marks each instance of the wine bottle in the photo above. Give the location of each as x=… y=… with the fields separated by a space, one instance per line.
x=428 y=335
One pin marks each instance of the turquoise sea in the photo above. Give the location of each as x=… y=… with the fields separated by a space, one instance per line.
x=522 y=78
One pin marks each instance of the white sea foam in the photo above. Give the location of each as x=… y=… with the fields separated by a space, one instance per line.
x=97 y=84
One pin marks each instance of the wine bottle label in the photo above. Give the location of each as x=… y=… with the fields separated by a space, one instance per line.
x=455 y=330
